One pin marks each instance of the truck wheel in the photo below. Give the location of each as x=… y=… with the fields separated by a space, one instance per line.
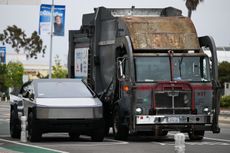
x=15 y=129
x=163 y=133
x=120 y=131
x=74 y=136
x=107 y=128
x=196 y=135
x=98 y=135
x=34 y=133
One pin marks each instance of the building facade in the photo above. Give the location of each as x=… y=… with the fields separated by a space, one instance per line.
x=32 y=67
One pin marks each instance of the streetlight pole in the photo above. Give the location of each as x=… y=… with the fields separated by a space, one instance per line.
x=51 y=40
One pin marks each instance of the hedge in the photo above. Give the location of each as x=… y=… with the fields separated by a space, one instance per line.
x=225 y=101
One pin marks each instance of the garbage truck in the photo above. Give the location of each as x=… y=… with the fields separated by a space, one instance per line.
x=149 y=68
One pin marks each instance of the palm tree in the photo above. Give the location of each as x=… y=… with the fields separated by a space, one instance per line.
x=191 y=5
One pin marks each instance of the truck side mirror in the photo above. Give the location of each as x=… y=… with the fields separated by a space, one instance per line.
x=120 y=70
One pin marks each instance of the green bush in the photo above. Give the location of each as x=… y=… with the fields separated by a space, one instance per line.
x=225 y=101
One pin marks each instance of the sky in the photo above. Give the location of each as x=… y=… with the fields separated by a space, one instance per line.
x=212 y=17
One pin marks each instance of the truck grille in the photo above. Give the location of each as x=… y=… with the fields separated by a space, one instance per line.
x=173 y=102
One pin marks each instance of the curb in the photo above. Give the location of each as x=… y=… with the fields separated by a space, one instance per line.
x=224 y=116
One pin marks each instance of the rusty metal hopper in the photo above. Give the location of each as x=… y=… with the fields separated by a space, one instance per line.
x=163 y=33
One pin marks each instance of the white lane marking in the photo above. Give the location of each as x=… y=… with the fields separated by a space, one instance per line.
x=93 y=144
x=23 y=144
x=121 y=142
x=207 y=143
x=162 y=144
x=4 y=136
x=219 y=141
x=216 y=139
x=198 y=143
x=4 y=120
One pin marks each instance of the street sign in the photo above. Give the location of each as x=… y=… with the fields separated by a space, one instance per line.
x=2 y=55
x=58 y=18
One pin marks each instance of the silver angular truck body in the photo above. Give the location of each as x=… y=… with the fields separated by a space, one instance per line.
x=57 y=105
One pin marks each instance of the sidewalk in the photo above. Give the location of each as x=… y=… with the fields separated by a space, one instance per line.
x=224 y=116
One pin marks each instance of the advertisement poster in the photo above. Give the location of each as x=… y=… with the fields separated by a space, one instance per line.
x=2 y=55
x=58 y=20
x=81 y=63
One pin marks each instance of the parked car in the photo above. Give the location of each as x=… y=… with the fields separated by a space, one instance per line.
x=57 y=105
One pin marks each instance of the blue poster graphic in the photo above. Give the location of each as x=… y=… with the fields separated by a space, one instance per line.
x=58 y=20
x=2 y=55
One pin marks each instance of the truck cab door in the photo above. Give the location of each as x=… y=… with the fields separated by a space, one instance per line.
x=123 y=74
x=125 y=92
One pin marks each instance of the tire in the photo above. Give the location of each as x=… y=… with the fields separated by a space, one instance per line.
x=15 y=129
x=120 y=131
x=163 y=133
x=34 y=134
x=107 y=128
x=98 y=135
x=196 y=135
x=74 y=136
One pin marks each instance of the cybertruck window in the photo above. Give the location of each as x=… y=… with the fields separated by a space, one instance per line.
x=63 y=90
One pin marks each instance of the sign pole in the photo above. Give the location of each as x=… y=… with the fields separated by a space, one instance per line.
x=51 y=40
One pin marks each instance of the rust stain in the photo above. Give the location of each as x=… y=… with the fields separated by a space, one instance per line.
x=162 y=32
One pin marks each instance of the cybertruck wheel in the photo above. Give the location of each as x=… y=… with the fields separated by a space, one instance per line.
x=74 y=136
x=120 y=131
x=15 y=129
x=34 y=133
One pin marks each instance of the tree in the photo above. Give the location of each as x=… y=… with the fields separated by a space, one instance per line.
x=11 y=76
x=3 y=77
x=224 y=72
x=15 y=72
x=192 y=5
x=58 y=70
x=17 y=38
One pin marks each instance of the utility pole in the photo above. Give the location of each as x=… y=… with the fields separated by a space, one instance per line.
x=51 y=40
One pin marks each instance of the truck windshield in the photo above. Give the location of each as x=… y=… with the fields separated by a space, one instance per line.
x=150 y=69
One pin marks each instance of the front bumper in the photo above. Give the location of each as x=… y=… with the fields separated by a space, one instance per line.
x=172 y=119
x=61 y=119
x=69 y=125
x=183 y=123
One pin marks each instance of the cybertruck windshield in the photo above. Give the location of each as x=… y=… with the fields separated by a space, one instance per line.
x=62 y=89
x=192 y=68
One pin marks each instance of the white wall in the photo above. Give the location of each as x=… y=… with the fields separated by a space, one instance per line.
x=227 y=88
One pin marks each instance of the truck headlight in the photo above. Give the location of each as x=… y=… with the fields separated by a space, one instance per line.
x=139 y=111
x=206 y=110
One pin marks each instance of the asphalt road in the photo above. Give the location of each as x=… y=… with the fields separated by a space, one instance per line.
x=55 y=142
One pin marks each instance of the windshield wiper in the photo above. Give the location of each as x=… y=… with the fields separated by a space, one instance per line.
x=180 y=63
